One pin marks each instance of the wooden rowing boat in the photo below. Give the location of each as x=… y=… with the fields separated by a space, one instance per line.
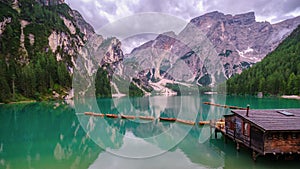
x=111 y=115
x=203 y=122
x=89 y=113
x=98 y=114
x=127 y=116
x=146 y=117
x=185 y=121
x=167 y=119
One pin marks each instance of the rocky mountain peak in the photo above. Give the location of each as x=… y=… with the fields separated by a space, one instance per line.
x=244 y=19
x=207 y=17
x=213 y=15
x=239 y=19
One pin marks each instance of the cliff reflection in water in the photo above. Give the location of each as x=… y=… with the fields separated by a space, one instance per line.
x=43 y=135
x=53 y=135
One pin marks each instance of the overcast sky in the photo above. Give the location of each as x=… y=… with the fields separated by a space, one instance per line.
x=101 y=12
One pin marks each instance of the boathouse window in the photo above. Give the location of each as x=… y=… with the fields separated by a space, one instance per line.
x=294 y=136
x=285 y=136
x=246 y=129
x=232 y=124
x=238 y=128
x=269 y=137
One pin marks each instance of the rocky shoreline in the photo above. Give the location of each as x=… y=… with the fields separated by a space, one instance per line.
x=291 y=97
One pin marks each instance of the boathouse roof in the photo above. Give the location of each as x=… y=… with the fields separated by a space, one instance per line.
x=273 y=120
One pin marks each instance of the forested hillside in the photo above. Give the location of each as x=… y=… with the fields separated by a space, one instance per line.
x=278 y=73
x=28 y=67
x=40 y=42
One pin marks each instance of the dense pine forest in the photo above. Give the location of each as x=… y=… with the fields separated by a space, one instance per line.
x=277 y=74
x=34 y=73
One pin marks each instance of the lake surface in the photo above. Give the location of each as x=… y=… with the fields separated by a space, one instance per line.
x=50 y=135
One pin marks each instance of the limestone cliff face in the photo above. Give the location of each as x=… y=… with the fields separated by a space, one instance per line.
x=50 y=2
x=71 y=42
x=3 y=24
x=238 y=42
x=53 y=28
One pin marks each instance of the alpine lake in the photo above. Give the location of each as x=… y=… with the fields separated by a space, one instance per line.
x=58 y=135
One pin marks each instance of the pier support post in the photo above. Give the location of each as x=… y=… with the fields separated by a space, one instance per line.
x=254 y=155
x=237 y=146
x=216 y=133
x=210 y=126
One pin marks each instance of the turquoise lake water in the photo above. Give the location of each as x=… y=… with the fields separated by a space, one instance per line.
x=54 y=135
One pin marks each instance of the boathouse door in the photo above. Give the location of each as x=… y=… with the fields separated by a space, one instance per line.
x=238 y=128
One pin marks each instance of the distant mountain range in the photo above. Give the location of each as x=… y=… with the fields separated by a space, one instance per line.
x=239 y=42
x=43 y=42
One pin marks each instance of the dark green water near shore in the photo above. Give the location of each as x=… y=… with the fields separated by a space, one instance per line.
x=57 y=135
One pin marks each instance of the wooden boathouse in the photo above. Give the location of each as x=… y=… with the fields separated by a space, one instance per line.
x=265 y=131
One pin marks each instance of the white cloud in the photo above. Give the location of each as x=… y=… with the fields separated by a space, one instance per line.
x=295 y=13
x=122 y=10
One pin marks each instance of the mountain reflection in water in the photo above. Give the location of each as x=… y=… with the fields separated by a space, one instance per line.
x=55 y=135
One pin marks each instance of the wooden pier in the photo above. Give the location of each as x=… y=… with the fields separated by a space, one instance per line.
x=274 y=132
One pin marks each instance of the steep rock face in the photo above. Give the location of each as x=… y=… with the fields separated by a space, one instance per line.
x=3 y=24
x=84 y=27
x=50 y=2
x=277 y=74
x=176 y=60
x=64 y=43
x=238 y=41
x=71 y=42
x=97 y=52
x=68 y=46
x=34 y=31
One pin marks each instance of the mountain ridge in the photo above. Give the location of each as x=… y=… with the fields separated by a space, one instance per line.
x=52 y=40
x=277 y=74
x=40 y=43
x=238 y=40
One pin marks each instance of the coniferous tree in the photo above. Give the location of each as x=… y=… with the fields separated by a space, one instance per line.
x=102 y=83
x=277 y=73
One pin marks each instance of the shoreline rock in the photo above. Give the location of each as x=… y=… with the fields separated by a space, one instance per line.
x=290 y=97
